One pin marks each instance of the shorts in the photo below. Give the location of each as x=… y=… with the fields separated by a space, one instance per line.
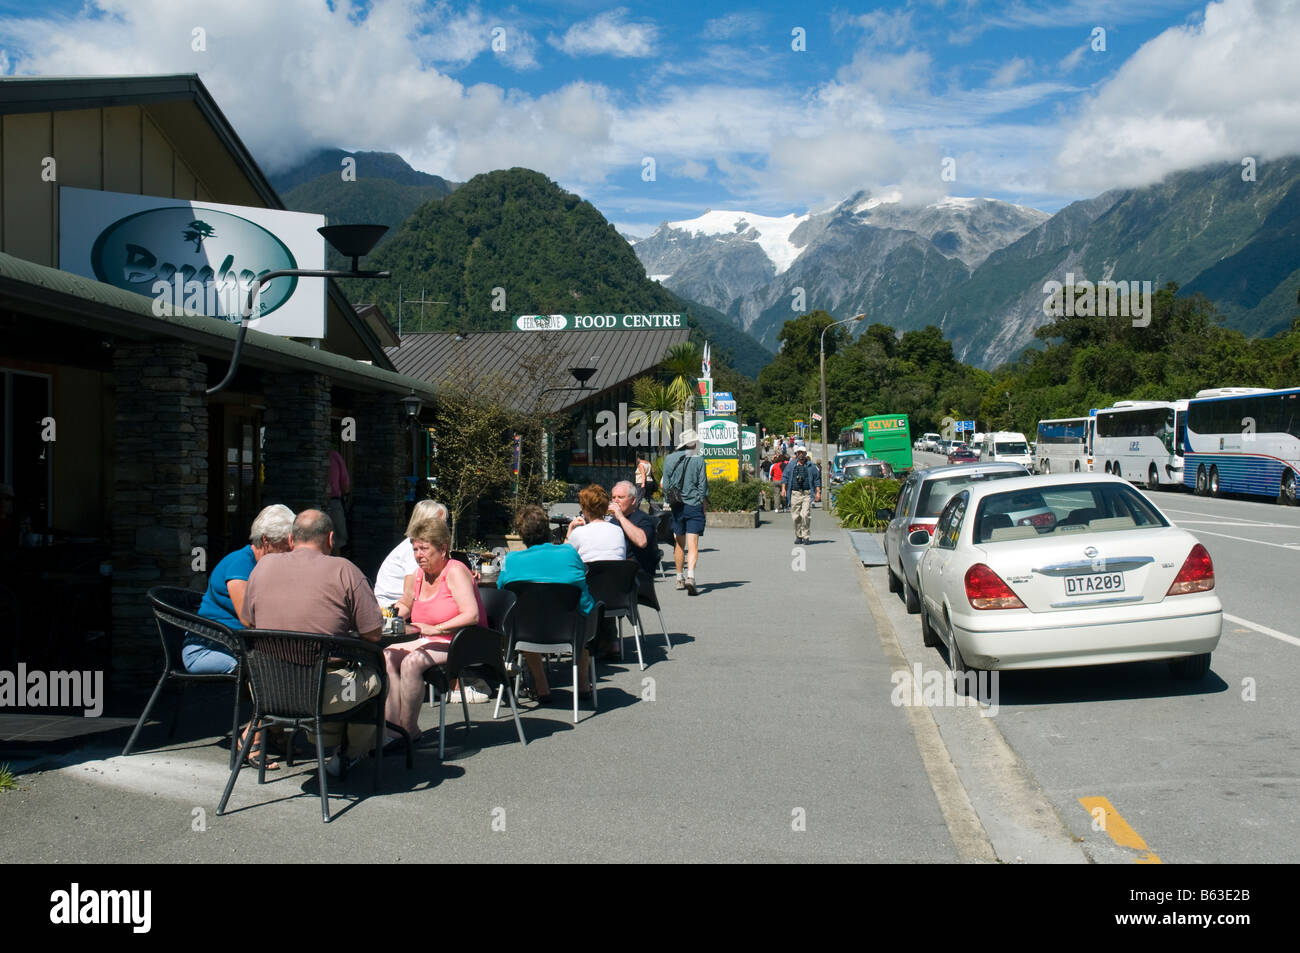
x=689 y=519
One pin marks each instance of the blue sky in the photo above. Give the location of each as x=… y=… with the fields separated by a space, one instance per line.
x=1034 y=103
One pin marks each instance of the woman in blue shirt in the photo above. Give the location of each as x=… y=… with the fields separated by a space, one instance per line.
x=544 y=562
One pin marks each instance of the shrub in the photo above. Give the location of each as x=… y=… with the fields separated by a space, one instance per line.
x=728 y=497
x=856 y=503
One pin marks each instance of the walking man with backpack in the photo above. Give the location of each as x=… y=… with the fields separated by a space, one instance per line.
x=685 y=489
x=803 y=482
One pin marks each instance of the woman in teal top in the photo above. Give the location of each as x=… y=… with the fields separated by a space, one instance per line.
x=544 y=562
x=224 y=598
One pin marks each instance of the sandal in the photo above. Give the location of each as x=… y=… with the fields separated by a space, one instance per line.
x=254 y=757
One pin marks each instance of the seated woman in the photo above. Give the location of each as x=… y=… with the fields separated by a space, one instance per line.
x=224 y=600
x=543 y=562
x=439 y=598
x=591 y=534
x=390 y=581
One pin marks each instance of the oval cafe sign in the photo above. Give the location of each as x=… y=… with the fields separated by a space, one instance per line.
x=150 y=250
x=202 y=257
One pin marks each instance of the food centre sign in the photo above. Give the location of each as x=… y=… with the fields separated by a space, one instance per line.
x=200 y=256
x=598 y=322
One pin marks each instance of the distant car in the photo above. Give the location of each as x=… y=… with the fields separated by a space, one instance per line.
x=962 y=454
x=929 y=441
x=868 y=467
x=920 y=500
x=840 y=459
x=943 y=446
x=1107 y=579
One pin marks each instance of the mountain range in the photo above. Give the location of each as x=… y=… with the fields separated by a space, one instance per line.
x=976 y=268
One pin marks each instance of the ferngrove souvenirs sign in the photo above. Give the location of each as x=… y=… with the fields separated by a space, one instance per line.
x=201 y=256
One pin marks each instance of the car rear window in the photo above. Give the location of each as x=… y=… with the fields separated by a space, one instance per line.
x=935 y=493
x=1063 y=509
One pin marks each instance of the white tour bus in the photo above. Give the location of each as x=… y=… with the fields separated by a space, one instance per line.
x=1064 y=446
x=1244 y=440
x=1142 y=441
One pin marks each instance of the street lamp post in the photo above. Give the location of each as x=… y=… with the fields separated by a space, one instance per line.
x=351 y=241
x=856 y=317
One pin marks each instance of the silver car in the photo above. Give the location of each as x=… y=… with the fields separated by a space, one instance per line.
x=920 y=501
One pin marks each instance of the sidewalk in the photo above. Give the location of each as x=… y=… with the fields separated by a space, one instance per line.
x=766 y=734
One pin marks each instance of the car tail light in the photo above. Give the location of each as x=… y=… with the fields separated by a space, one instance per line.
x=986 y=590
x=913 y=527
x=1197 y=574
x=1038 y=520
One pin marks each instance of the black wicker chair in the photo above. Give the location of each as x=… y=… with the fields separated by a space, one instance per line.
x=478 y=651
x=614 y=582
x=287 y=671
x=176 y=612
x=546 y=620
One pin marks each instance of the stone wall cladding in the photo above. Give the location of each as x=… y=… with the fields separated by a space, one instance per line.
x=378 y=479
x=297 y=449
x=159 y=494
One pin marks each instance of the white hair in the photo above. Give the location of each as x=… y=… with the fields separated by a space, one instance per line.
x=275 y=522
x=631 y=487
x=426 y=510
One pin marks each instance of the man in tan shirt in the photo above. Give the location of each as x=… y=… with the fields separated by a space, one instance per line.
x=307 y=590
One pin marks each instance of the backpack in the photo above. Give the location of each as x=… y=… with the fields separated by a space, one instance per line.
x=673 y=494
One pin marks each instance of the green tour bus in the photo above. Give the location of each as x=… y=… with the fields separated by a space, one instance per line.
x=887 y=437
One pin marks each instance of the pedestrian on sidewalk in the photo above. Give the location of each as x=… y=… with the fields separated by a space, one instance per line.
x=684 y=473
x=803 y=483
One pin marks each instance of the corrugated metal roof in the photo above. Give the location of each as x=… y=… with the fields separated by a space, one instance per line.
x=530 y=362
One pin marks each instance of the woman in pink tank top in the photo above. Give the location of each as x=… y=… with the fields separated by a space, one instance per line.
x=439 y=598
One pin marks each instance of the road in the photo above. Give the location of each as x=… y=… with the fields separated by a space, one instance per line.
x=1203 y=772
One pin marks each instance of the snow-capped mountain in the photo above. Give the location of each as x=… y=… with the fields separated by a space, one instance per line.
x=868 y=253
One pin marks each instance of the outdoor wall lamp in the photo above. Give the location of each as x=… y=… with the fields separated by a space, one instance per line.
x=350 y=241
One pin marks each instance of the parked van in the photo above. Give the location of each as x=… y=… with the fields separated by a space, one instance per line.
x=929 y=442
x=1007 y=446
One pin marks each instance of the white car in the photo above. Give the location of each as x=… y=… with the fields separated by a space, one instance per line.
x=1107 y=579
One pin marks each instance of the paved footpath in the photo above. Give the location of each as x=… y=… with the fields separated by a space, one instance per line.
x=766 y=734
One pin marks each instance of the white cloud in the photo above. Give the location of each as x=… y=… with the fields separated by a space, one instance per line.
x=362 y=78
x=609 y=34
x=1009 y=72
x=1216 y=91
x=731 y=25
x=693 y=169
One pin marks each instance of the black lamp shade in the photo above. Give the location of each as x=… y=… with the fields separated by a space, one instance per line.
x=353 y=241
x=412 y=404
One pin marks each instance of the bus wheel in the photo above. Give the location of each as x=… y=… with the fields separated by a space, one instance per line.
x=1108 y=466
x=1214 y=481
x=1047 y=466
x=1153 y=479
x=1287 y=496
x=1077 y=467
x=1115 y=470
x=1201 y=481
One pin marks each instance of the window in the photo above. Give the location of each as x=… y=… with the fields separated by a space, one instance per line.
x=949 y=526
x=25 y=454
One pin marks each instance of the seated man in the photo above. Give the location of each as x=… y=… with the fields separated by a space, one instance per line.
x=544 y=562
x=639 y=529
x=307 y=590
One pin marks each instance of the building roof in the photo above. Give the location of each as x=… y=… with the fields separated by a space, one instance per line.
x=186 y=112
x=62 y=296
x=531 y=362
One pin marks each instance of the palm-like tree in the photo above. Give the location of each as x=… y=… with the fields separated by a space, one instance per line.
x=682 y=364
x=656 y=407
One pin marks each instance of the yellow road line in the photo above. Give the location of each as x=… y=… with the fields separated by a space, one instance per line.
x=1119 y=829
